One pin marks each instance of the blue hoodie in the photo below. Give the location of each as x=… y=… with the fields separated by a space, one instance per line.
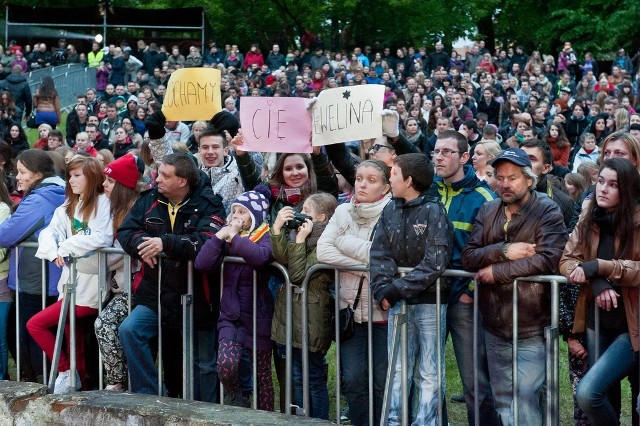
x=462 y=200
x=32 y=215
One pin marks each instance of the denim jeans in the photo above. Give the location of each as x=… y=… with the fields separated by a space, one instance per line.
x=615 y=363
x=422 y=336
x=355 y=372
x=531 y=374
x=4 y=316
x=460 y=325
x=318 y=392
x=205 y=374
x=136 y=332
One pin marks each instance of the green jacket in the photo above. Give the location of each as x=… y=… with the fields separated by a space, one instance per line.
x=319 y=301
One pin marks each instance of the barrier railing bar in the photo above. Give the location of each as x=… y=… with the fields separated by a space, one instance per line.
x=254 y=337
x=18 y=364
x=514 y=352
x=102 y=291
x=160 y=363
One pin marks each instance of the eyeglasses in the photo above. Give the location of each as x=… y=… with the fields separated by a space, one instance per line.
x=444 y=152
x=377 y=147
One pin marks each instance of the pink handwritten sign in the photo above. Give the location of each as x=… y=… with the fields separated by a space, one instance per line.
x=275 y=124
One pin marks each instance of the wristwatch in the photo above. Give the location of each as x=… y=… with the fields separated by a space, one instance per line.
x=505 y=250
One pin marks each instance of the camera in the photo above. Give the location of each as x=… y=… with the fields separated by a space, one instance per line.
x=297 y=221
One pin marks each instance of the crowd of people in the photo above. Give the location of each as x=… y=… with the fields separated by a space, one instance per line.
x=508 y=165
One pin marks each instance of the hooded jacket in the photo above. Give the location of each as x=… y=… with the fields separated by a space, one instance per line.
x=415 y=234
x=19 y=88
x=33 y=214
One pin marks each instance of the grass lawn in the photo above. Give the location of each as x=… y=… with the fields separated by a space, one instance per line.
x=457 y=411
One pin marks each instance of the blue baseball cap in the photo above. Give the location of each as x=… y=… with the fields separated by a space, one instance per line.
x=516 y=156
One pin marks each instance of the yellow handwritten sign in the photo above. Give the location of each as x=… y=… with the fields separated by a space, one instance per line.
x=192 y=94
x=347 y=114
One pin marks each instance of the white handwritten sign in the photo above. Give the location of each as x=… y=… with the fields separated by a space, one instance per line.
x=347 y=113
x=192 y=94
x=275 y=124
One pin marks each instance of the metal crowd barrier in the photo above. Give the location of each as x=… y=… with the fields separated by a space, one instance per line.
x=70 y=81
x=551 y=334
x=68 y=310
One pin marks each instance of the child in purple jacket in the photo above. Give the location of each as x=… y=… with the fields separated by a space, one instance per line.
x=246 y=235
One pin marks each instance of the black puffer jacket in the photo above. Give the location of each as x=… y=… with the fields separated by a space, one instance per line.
x=539 y=222
x=416 y=234
x=195 y=222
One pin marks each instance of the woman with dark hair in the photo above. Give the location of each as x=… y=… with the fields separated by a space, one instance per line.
x=138 y=121
x=559 y=144
x=44 y=192
x=599 y=128
x=8 y=167
x=434 y=115
x=47 y=103
x=414 y=134
x=122 y=144
x=576 y=123
x=16 y=138
x=602 y=257
x=8 y=111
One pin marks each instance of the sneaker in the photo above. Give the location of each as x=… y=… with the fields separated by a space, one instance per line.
x=63 y=382
x=114 y=388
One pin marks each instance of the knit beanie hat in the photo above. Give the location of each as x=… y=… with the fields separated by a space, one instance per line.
x=256 y=202
x=125 y=170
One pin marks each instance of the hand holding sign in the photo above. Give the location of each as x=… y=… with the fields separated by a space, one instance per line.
x=192 y=94
x=347 y=113
x=275 y=124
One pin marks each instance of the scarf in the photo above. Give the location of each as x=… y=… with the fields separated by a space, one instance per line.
x=291 y=196
x=257 y=233
x=414 y=139
x=312 y=240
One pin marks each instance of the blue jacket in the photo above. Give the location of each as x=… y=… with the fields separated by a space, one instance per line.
x=462 y=200
x=32 y=215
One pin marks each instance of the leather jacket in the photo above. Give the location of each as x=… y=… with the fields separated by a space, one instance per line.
x=538 y=221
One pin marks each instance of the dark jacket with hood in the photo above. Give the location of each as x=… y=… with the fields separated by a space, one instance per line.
x=416 y=234
x=17 y=85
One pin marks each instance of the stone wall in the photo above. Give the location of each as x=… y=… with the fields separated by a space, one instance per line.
x=31 y=404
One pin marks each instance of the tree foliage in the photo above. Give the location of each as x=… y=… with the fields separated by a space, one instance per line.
x=598 y=26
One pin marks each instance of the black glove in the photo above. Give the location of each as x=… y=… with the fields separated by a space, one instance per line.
x=155 y=125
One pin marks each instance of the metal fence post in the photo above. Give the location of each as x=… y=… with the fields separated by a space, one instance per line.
x=187 y=336
x=160 y=366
